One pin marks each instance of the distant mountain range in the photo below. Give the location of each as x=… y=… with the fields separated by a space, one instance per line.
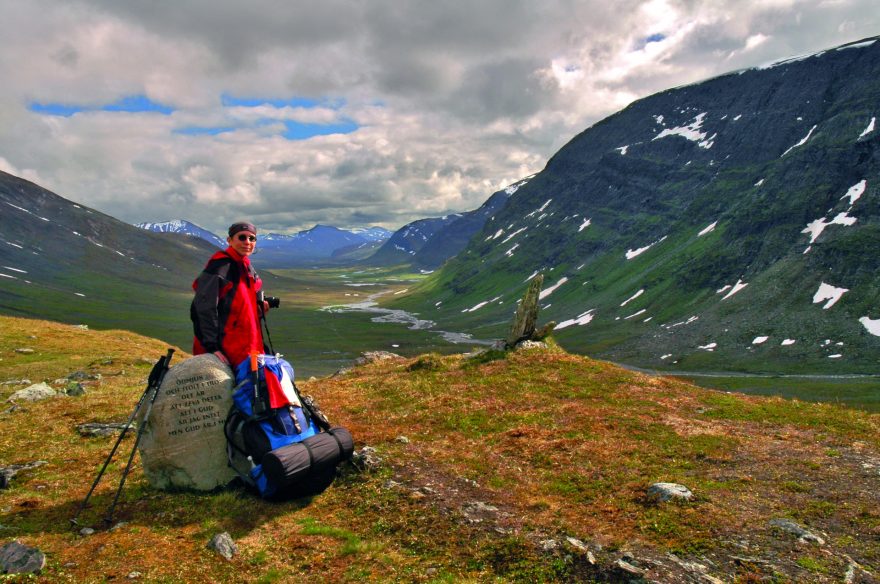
x=277 y=250
x=732 y=224
x=183 y=227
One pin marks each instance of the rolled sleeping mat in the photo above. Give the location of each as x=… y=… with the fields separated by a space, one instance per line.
x=317 y=455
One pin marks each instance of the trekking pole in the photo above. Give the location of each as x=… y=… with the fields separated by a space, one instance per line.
x=262 y=312
x=155 y=378
x=155 y=387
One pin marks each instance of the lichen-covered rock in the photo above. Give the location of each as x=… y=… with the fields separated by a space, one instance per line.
x=664 y=492
x=796 y=530
x=35 y=392
x=223 y=544
x=16 y=558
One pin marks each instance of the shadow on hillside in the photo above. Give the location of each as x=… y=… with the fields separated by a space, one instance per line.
x=231 y=509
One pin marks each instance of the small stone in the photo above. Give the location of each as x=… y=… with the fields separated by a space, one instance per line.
x=16 y=558
x=313 y=378
x=17 y=382
x=366 y=459
x=119 y=525
x=134 y=575
x=431 y=572
x=86 y=531
x=93 y=429
x=71 y=565
x=402 y=439
x=577 y=544
x=629 y=568
x=796 y=530
x=549 y=545
x=7 y=472
x=664 y=492
x=222 y=543
x=35 y=392
x=82 y=327
x=25 y=351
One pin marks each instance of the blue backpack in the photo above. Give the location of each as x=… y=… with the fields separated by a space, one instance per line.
x=279 y=442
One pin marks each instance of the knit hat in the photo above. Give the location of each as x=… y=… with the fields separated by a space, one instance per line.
x=241 y=226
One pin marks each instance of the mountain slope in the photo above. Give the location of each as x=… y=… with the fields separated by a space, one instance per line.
x=70 y=263
x=454 y=237
x=726 y=225
x=409 y=239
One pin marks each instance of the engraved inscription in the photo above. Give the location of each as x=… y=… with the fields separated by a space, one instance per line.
x=196 y=407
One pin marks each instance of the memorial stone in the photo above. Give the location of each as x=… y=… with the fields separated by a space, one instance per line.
x=183 y=445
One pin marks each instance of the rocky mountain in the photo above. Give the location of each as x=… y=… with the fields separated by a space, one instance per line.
x=278 y=250
x=318 y=243
x=409 y=239
x=731 y=224
x=453 y=237
x=186 y=228
x=73 y=264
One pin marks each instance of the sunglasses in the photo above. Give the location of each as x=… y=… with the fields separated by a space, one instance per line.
x=243 y=237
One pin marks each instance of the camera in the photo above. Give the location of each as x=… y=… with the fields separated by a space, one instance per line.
x=272 y=301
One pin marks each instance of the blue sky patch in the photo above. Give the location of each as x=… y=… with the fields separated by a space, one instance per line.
x=655 y=38
x=301 y=131
x=303 y=102
x=200 y=131
x=128 y=104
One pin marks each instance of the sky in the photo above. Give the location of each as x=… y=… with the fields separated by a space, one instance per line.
x=350 y=112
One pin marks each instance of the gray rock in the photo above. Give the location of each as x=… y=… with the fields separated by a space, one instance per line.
x=75 y=389
x=7 y=472
x=366 y=459
x=93 y=429
x=402 y=439
x=17 y=382
x=577 y=544
x=183 y=445
x=796 y=530
x=527 y=344
x=24 y=351
x=526 y=319
x=134 y=575
x=35 y=392
x=16 y=558
x=82 y=327
x=84 y=376
x=629 y=568
x=549 y=545
x=86 y=531
x=374 y=356
x=664 y=492
x=223 y=544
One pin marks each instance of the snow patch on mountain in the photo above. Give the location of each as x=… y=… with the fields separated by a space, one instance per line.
x=733 y=289
x=869 y=129
x=691 y=132
x=707 y=229
x=855 y=192
x=580 y=320
x=816 y=227
x=548 y=291
x=584 y=225
x=632 y=253
x=802 y=142
x=830 y=293
x=872 y=326
x=633 y=297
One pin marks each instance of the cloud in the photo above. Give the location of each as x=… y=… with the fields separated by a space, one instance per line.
x=346 y=112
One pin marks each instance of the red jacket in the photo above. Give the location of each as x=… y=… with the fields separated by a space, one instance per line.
x=224 y=310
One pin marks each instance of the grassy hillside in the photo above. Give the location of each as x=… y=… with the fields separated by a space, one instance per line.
x=490 y=465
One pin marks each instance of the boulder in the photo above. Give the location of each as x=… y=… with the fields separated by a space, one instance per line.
x=526 y=319
x=183 y=445
x=16 y=558
x=796 y=530
x=35 y=392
